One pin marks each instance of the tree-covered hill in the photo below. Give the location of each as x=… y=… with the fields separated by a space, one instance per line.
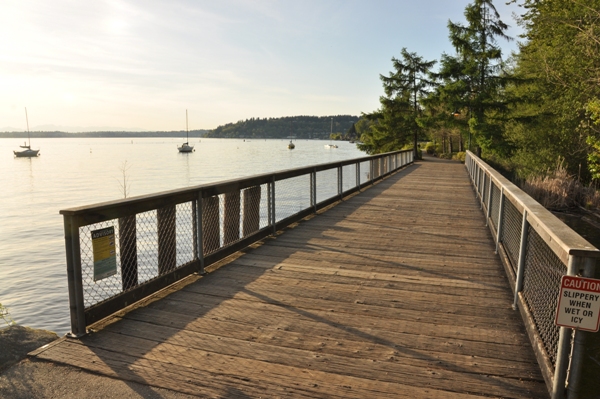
x=301 y=127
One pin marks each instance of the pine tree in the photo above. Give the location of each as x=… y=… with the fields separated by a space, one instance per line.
x=473 y=78
x=395 y=123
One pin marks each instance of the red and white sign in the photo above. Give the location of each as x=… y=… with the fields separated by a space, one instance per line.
x=579 y=303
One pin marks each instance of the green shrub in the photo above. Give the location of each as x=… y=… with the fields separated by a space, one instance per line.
x=430 y=148
x=5 y=316
x=459 y=156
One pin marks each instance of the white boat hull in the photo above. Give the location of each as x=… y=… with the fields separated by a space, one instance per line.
x=28 y=153
x=185 y=147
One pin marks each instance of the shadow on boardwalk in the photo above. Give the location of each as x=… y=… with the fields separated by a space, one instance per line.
x=395 y=292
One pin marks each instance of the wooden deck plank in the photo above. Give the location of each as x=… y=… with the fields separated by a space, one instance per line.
x=393 y=293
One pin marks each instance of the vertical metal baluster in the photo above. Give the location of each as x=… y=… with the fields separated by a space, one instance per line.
x=564 y=346
x=522 y=253
x=200 y=230
x=500 y=217
x=358 y=175
x=579 y=343
x=489 y=203
x=273 y=207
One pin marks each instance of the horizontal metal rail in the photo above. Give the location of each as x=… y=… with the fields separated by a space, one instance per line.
x=537 y=249
x=158 y=239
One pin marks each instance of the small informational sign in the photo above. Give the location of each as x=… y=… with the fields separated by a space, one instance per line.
x=105 y=259
x=579 y=303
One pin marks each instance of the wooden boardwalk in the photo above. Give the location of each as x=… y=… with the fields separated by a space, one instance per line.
x=393 y=293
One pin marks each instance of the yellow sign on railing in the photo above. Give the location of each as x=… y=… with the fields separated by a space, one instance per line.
x=105 y=259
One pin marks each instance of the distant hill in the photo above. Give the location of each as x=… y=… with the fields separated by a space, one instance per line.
x=301 y=127
x=192 y=133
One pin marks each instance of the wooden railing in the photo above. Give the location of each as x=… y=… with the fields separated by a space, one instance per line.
x=122 y=251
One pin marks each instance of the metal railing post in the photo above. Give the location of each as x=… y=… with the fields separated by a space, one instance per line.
x=521 y=266
x=489 y=203
x=564 y=347
x=340 y=177
x=358 y=175
x=313 y=190
x=74 y=279
x=273 y=207
x=579 y=344
x=500 y=217
x=200 y=242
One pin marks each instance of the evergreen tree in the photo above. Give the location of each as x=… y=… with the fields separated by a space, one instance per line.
x=395 y=123
x=472 y=79
x=559 y=69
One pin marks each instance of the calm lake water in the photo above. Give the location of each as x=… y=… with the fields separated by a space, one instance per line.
x=73 y=172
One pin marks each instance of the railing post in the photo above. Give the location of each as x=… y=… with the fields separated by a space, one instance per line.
x=371 y=170
x=313 y=190
x=340 y=178
x=74 y=278
x=500 y=217
x=200 y=233
x=579 y=344
x=358 y=176
x=522 y=253
x=274 y=217
x=489 y=203
x=564 y=347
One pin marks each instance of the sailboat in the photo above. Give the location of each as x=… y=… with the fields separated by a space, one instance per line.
x=27 y=152
x=330 y=145
x=186 y=147
x=291 y=145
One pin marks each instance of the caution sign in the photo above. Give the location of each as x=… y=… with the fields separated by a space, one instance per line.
x=105 y=259
x=579 y=303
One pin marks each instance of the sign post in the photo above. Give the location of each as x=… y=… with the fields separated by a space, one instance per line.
x=579 y=303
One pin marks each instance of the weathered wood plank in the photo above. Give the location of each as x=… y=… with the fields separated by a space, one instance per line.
x=393 y=293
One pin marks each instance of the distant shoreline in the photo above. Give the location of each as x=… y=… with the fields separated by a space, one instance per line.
x=20 y=135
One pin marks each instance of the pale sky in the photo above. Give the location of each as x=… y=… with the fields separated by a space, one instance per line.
x=139 y=64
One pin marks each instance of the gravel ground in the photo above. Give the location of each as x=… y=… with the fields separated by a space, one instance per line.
x=22 y=378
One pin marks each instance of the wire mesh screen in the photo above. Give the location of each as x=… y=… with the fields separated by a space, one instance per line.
x=365 y=173
x=95 y=290
x=541 y=287
x=511 y=232
x=145 y=245
x=326 y=184
x=228 y=218
x=348 y=177
x=292 y=196
x=186 y=234
x=495 y=206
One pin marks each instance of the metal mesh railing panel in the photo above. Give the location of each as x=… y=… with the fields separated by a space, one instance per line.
x=97 y=291
x=365 y=171
x=147 y=245
x=185 y=233
x=292 y=196
x=495 y=206
x=511 y=232
x=541 y=287
x=348 y=177
x=326 y=184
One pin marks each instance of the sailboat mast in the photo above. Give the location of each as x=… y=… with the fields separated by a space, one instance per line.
x=187 y=139
x=27 y=120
